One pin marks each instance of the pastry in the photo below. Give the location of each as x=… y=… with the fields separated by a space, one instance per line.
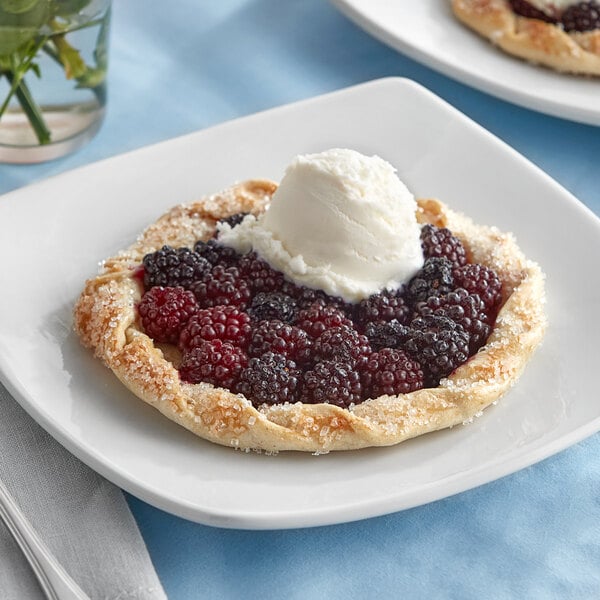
x=561 y=34
x=260 y=362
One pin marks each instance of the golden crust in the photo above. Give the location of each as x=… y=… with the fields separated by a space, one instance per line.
x=105 y=319
x=531 y=39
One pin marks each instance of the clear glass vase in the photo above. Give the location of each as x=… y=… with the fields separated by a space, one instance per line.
x=53 y=67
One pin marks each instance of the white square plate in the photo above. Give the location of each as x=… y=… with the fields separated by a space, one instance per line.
x=55 y=232
x=428 y=32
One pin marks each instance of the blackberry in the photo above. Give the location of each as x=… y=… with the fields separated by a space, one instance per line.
x=233 y=220
x=525 y=9
x=386 y=334
x=320 y=317
x=216 y=253
x=281 y=338
x=332 y=382
x=306 y=297
x=483 y=281
x=385 y=306
x=584 y=16
x=342 y=343
x=225 y=323
x=261 y=277
x=222 y=286
x=270 y=379
x=439 y=242
x=433 y=279
x=164 y=311
x=439 y=344
x=390 y=372
x=173 y=267
x=273 y=305
x=463 y=308
x=213 y=361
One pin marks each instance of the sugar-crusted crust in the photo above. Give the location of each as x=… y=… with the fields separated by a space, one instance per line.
x=531 y=39
x=106 y=321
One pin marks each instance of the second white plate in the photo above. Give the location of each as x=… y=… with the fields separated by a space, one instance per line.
x=428 y=32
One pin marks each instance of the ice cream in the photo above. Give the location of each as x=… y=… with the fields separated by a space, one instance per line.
x=551 y=6
x=339 y=221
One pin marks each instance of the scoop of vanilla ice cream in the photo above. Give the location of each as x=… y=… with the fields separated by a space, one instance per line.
x=339 y=221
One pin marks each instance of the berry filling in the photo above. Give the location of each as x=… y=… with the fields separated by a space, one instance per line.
x=172 y=267
x=440 y=243
x=165 y=311
x=391 y=371
x=578 y=17
x=281 y=338
x=270 y=379
x=525 y=9
x=241 y=326
x=584 y=16
x=225 y=323
x=333 y=382
x=214 y=361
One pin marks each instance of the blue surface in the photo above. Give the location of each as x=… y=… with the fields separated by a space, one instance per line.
x=182 y=66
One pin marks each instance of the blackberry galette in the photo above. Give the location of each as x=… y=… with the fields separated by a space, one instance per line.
x=561 y=34
x=224 y=344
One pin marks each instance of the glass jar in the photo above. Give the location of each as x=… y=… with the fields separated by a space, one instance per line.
x=53 y=67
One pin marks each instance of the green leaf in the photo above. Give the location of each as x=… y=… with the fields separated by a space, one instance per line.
x=16 y=29
x=66 y=8
x=36 y=16
x=91 y=78
x=70 y=58
x=16 y=7
x=12 y=39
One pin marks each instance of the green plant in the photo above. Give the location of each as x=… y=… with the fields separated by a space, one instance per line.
x=31 y=27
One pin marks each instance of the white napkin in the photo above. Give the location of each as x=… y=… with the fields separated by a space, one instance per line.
x=82 y=518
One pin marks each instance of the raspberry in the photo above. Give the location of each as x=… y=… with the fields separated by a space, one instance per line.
x=386 y=334
x=463 y=308
x=259 y=274
x=332 y=382
x=385 y=306
x=216 y=253
x=281 y=338
x=434 y=279
x=165 y=310
x=270 y=379
x=233 y=220
x=584 y=16
x=222 y=286
x=225 y=323
x=390 y=372
x=438 y=344
x=172 y=267
x=439 y=242
x=342 y=343
x=213 y=361
x=523 y=8
x=319 y=317
x=483 y=281
x=273 y=305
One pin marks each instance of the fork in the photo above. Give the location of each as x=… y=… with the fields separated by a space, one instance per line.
x=53 y=579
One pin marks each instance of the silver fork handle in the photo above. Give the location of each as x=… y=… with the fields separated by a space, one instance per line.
x=53 y=579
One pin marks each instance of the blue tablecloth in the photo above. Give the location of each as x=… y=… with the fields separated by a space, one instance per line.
x=181 y=66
